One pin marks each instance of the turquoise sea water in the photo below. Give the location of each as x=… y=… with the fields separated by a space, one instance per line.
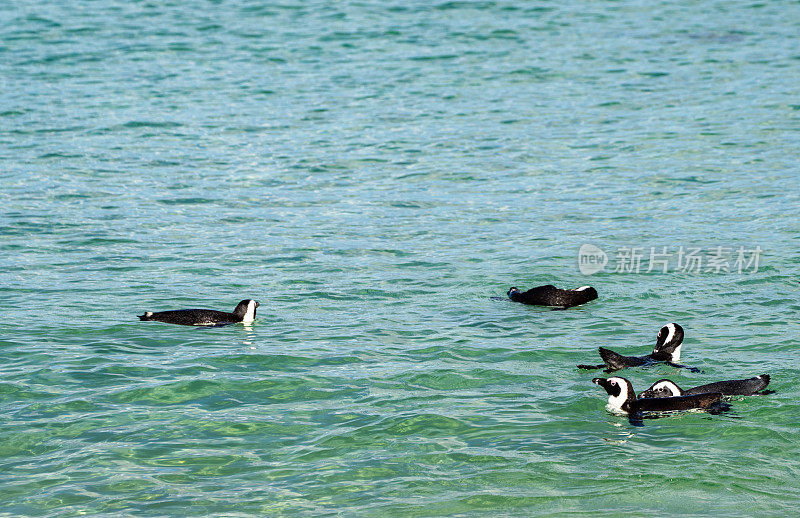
x=373 y=173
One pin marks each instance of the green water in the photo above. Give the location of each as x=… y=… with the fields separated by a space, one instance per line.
x=373 y=173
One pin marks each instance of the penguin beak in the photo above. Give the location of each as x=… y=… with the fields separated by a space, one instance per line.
x=257 y=304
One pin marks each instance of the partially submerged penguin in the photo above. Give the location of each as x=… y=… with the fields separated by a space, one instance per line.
x=749 y=387
x=549 y=295
x=244 y=312
x=622 y=400
x=667 y=350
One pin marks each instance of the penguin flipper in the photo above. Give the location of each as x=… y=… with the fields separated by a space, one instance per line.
x=614 y=361
x=636 y=419
x=719 y=407
x=218 y=324
x=679 y=366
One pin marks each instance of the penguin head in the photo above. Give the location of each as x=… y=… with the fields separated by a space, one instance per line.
x=588 y=292
x=619 y=390
x=246 y=310
x=662 y=388
x=668 y=342
x=513 y=291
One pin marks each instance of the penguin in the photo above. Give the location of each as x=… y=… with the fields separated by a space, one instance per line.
x=622 y=400
x=549 y=295
x=748 y=387
x=244 y=312
x=667 y=350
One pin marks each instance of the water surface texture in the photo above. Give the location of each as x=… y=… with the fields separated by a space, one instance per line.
x=373 y=173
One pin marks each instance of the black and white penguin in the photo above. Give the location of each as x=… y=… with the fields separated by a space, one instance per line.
x=622 y=399
x=748 y=387
x=549 y=295
x=667 y=350
x=244 y=312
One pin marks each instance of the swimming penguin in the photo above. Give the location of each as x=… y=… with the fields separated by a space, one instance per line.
x=549 y=295
x=622 y=399
x=748 y=387
x=667 y=350
x=244 y=312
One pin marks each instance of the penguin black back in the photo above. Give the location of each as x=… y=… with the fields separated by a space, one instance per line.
x=747 y=387
x=549 y=295
x=703 y=400
x=244 y=312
